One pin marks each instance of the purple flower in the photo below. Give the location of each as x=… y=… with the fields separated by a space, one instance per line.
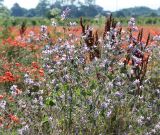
x=65 y=13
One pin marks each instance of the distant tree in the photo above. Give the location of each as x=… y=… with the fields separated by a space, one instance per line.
x=99 y=9
x=42 y=7
x=90 y=2
x=31 y=13
x=4 y=11
x=16 y=10
x=153 y=14
x=136 y=11
x=57 y=4
x=158 y=11
x=120 y=14
x=89 y=11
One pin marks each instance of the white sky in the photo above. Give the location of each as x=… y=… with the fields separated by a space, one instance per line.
x=111 y=5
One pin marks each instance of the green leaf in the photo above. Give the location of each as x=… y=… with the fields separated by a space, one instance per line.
x=45 y=119
x=50 y=102
x=110 y=76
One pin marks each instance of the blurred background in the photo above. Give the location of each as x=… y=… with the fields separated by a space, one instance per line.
x=147 y=10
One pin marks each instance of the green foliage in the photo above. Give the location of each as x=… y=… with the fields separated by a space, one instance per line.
x=136 y=11
x=87 y=9
x=42 y=8
x=4 y=12
x=54 y=13
x=98 y=21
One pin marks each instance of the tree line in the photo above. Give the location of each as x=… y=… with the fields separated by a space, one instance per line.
x=88 y=8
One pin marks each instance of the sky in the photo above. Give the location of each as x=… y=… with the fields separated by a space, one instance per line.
x=111 y=5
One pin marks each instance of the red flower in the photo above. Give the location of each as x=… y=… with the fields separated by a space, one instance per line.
x=14 y=118
x=35 y=65
x=18 y=64
x=9 y=76
x=1 y=97
x=11 y=99
x=41 y=72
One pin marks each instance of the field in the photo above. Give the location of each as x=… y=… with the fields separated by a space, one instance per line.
x=80 y=79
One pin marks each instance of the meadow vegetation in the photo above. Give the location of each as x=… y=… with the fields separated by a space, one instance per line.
x=73 y=77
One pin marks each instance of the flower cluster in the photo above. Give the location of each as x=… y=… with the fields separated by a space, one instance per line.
x=65 y=13
x=132 y=24
x=44 y=32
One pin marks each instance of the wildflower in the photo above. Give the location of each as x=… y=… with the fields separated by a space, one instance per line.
x=148 y=133
x=41 y=98
x=72 y=24
x=104 y=105
x=141 y=87
x=43 y=28
x=156 y=38
x=153 y=131
x=136 y=82
x=158 y=91
x=140 y=97
x=148 y=118
x=54 y=23
x=1 y=97
x=89 y=101
x=18 y=64
x=118 y=94
x=65 y=13
x=13 y=88
x=26 y=76
x=50 y=118
x=40 y=92
x=110 y=85
x=28 y=80
x=14 y=118
x=135 y=28
x=23 y=130
x=136 y=60
x=85 y=48
x=132 y=24
x=1 y=125
x=15 y=91
x=157 y=127
x=31 y=34
x=41 y=72
x=132 y=71
x=95 y=59
x=121 y=64
x=108 y=113
x=132 y=20
x=10 y=98
x=96 y=114
x=130 y=126
x=9 y=76
x=60 y=40
x=140 y=120
x=118 y=24
x=3 y=104
x=130 y=46
x=35 y=101
x=35 y=65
